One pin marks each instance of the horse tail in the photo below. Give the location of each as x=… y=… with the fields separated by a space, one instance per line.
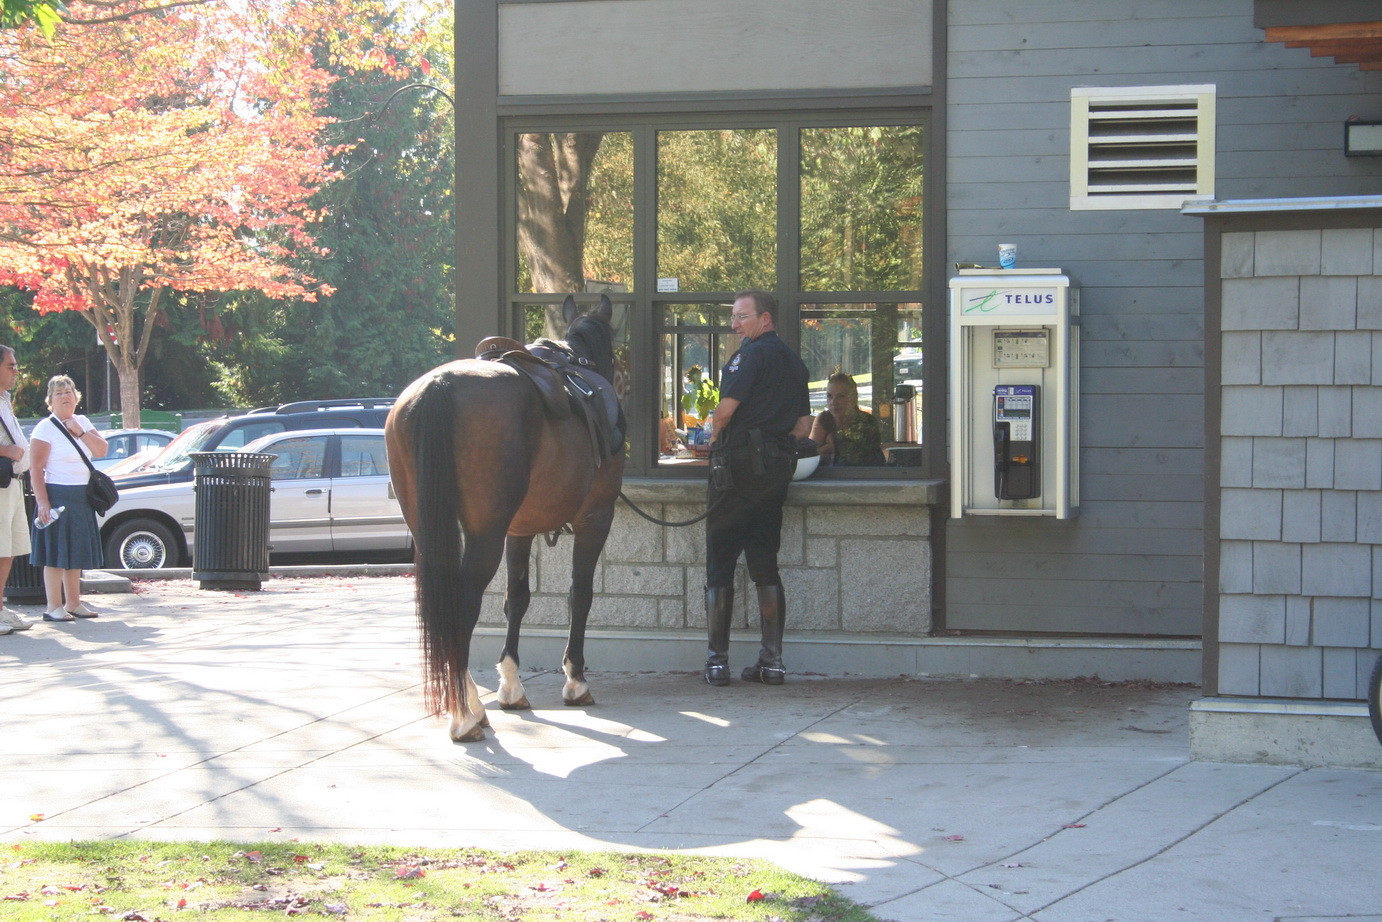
x=445 y=652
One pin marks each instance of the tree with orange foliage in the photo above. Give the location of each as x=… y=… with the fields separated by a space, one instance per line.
x=144 y=157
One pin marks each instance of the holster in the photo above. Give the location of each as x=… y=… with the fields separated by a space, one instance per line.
x=721 y=471
x=758 y=463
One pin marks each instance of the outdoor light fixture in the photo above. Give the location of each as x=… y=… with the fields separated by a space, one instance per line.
x=1363 y=139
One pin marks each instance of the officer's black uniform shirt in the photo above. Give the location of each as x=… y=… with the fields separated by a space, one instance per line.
x=770 y=382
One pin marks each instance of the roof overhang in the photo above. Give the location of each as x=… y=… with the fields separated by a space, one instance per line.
x=1349 y=31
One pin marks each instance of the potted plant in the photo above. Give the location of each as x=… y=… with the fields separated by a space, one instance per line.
x=698 y=400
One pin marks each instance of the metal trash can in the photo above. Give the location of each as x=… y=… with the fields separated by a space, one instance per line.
x=26 y=580
x=232 y=519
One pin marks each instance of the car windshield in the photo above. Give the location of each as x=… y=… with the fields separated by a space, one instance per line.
x=174 y=454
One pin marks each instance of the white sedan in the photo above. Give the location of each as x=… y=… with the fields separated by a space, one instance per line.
x=330 y=492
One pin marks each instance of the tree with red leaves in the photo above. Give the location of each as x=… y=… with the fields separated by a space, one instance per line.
x=149 y=156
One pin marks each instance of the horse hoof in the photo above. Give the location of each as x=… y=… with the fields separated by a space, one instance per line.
x=520 y=705
x=583 y=701
x=474 y=735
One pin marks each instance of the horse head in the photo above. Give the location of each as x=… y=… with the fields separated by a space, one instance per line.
x=590 y=335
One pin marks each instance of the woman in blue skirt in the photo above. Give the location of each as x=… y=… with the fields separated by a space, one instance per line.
x=70 y=543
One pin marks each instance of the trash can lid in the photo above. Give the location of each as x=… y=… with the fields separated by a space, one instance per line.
x=231 y=460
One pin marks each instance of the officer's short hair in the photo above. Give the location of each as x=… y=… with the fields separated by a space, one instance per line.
x=763 y=302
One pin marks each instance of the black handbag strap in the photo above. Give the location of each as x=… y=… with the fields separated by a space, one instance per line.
x=6 y=426
x=89 y=466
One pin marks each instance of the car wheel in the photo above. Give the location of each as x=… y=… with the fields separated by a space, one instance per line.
x=141 y=544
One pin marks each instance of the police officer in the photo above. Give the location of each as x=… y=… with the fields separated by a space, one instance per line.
x=764 y=409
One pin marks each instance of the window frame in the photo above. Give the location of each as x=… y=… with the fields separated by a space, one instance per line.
x=645 y=303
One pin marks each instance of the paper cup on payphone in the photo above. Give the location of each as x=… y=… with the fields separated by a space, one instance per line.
x=1007 y=255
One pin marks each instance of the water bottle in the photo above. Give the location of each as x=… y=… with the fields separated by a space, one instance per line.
x=52 y=517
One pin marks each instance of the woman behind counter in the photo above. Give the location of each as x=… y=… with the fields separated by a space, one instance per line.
x=846 y=433
x=58 y=474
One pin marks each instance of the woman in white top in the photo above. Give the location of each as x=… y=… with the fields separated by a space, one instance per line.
x=72 y=543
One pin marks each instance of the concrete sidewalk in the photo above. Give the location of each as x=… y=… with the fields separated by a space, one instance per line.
x=295 y=712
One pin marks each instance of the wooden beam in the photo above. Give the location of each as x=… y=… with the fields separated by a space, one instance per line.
x=1358 y=58
x=1312 y=34
x=1341 y=46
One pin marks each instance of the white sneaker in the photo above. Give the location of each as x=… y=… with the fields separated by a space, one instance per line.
x=5 y=629
x=14 y=620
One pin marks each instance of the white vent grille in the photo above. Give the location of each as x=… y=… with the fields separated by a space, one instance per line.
x=1141 y=147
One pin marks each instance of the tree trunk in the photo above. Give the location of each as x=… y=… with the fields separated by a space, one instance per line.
x=553 y=201
x=115 y=312
x=129 y=395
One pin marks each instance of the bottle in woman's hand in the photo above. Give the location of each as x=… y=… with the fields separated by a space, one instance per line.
x=52 y=517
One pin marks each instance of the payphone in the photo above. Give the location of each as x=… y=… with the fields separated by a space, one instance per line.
x=1014 y=393
x=1015 y=444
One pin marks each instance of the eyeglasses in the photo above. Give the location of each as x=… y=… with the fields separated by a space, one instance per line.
x=742 y=318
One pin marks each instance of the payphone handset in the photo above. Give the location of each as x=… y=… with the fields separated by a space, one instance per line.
x=1016 y=441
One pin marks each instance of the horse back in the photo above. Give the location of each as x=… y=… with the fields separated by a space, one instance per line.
x=483 y=416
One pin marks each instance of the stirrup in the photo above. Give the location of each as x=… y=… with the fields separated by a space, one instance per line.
x=768 y=675
x=716 y=675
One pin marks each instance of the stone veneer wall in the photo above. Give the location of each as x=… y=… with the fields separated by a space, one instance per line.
x=1300 y=550
x=856 y=558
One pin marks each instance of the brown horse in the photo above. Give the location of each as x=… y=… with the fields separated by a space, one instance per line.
x=481 y=468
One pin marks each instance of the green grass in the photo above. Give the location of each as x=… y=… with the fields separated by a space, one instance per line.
x=138 y=881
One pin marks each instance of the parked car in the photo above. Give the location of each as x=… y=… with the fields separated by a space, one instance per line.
x=330 y=492
x=232 y=433
x=133 y=463
x=125 y=443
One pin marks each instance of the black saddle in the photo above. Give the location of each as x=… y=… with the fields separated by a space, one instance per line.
x=567 y=385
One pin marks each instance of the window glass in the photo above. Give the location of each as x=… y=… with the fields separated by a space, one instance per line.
x=820 y=213
x=299 y=459
x=696 y=341
x=861 y=192
x=363 y=456
x=241 y=436
x=575 y=212
x=879 y=345
x=716 y=210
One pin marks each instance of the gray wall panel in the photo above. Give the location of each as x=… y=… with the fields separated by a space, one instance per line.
x=1279 y=116
x=1124 y=380
x=1170 y=542
x=1142 y=461
x=675 y=46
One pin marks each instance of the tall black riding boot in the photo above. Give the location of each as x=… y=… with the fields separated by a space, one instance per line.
x=772 y=611
x=719 y=608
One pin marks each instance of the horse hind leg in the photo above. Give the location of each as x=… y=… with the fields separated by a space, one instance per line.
x=512 y=696
x=469 y=720
x=576 y=691
x=517 y=596
x=588 y=543
x=481 y=558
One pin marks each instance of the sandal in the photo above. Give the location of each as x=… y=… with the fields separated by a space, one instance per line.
x=59 y=614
